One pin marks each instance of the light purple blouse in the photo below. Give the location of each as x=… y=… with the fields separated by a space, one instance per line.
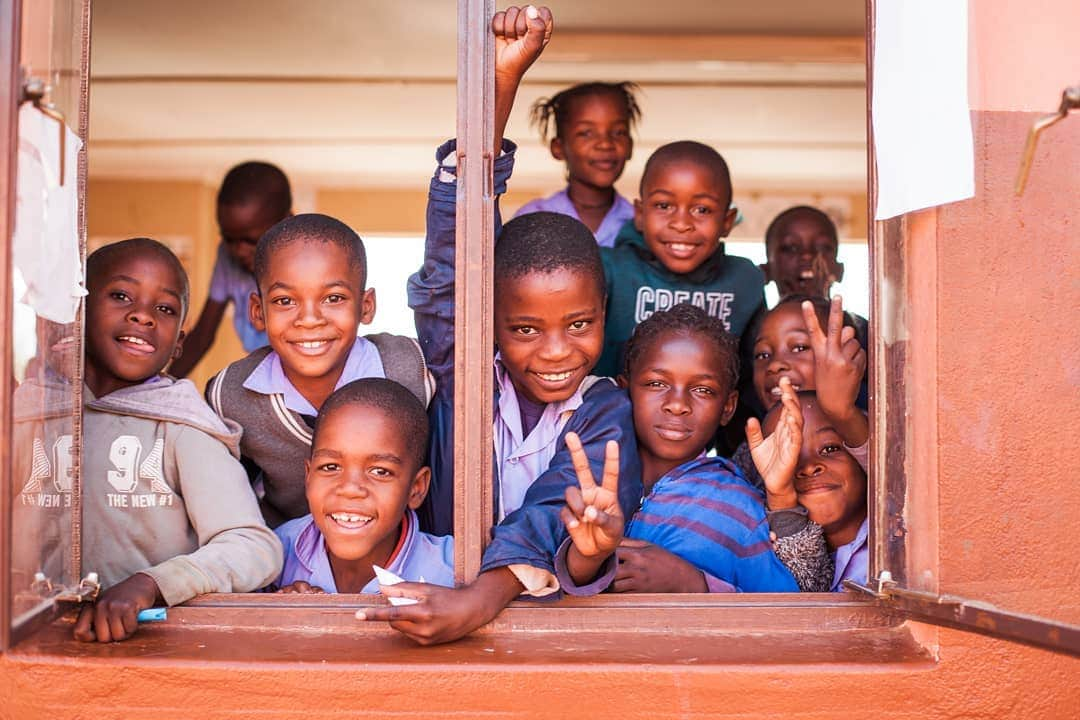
x=621 y=211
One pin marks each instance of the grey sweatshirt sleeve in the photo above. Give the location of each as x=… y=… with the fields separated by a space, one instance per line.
x=237 y=551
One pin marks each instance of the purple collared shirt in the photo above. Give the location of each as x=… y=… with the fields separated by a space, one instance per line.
x=852 y=560
x=520 y=459
x=620 y=211
x=419 y=555
x=232 y=283
x=269 y=377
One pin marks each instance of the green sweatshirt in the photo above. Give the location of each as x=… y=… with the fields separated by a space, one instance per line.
x=725 y=286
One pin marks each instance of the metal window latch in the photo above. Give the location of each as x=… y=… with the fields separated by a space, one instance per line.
x=1070 y=100
x=34 y=91
x=884 y=585
x=86 y=591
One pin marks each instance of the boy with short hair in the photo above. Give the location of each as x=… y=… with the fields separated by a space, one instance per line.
x=365 y=478
x=168 y=512
x=801 y=245
x=312 y=272
x=673 y=250
x=253 y=197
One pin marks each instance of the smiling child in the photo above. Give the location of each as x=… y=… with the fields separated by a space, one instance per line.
x=168 y=512
x=365 y=477
x=673 y=251
x=793 y=353
x=826 y=479
x=593 y=123
x=801 y=245
x=701 y=527
x=253 y=197
x=311 y=271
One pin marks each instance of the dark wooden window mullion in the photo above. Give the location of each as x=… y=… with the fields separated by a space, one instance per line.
x=474 y=338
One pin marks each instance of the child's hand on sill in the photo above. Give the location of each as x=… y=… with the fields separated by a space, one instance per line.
x=648 y=568
x=115 y=615
x=777 y=456
x=839 y=366
x=443 y=614
x=301 y=588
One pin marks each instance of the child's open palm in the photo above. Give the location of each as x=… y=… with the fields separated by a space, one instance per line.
x=592 y=514
x=520 y=36
x=777 y=456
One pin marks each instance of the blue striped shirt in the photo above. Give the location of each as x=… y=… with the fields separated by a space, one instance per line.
x=705 y=512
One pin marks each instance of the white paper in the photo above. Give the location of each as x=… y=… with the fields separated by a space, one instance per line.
x=385 y=577
x=45 y=242
x=922 y=123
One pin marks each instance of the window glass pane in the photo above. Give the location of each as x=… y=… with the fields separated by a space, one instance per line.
x=786 y=110
x=391 y=260
x=350 y=109
x=45 y=336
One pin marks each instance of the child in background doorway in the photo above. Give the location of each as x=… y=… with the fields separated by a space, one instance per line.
x=253 y=197
x=167 y=510
x=593 y=123
x=802 y=247
x=673 y=251
x=365 y=478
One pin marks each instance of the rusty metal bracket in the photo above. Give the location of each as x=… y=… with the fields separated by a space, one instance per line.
x=1070 y=100
x=972 y=615
x=86 y=591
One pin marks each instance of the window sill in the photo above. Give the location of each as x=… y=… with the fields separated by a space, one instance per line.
x=620 y=631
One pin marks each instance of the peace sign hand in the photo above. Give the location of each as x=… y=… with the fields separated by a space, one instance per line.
x=839 y=366
x=592 y=514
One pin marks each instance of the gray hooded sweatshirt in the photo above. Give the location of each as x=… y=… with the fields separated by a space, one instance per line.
x=164 y=494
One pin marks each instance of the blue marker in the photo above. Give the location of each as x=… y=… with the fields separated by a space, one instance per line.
x=152 y=615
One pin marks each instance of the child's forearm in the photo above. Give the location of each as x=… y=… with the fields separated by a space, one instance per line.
x=494 y=589
x=852 y=426
x=505 y=91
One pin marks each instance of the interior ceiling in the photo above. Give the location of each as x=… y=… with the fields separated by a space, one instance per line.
x=350 y=92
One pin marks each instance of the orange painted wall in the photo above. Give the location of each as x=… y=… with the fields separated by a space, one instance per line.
x=1022 y=53
x=994 y=308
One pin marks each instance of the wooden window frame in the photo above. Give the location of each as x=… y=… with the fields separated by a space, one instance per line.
x=900 y=541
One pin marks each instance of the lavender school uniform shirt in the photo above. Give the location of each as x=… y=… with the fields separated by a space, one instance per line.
x=269 y=377
x=852 y=560
x=232 y=283
x=418 y=555
x=621 y=211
